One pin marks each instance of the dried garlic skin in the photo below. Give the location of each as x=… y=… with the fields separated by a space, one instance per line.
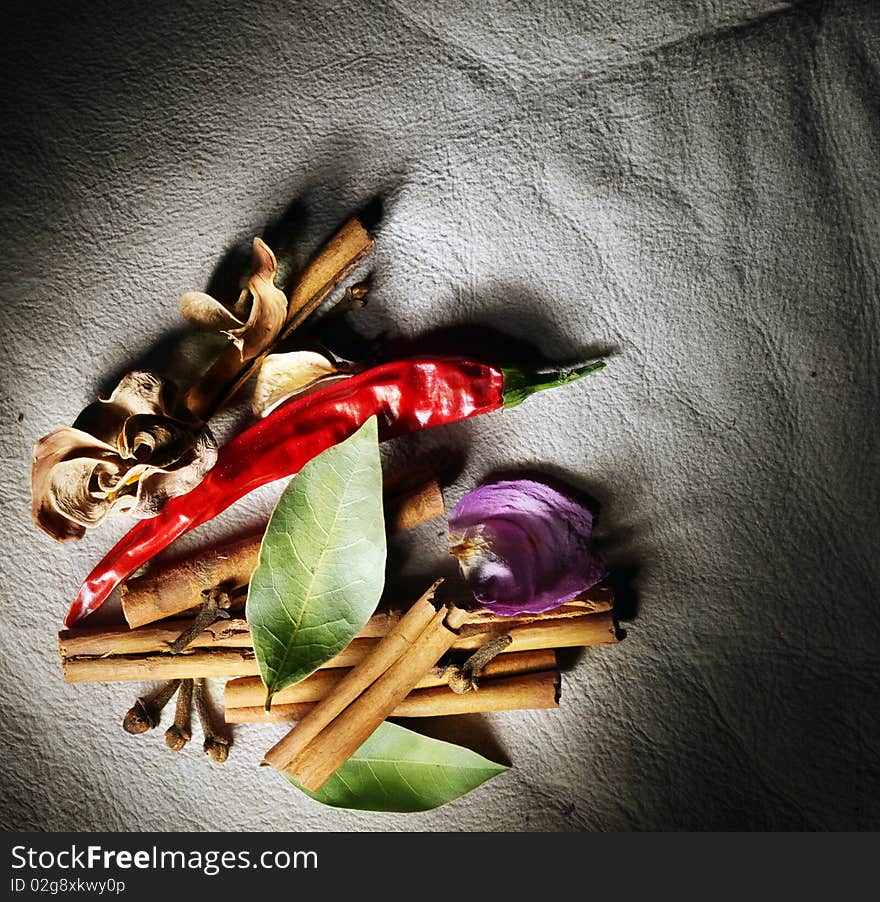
x=125 y=454
x=257 y=317
x=523 y=546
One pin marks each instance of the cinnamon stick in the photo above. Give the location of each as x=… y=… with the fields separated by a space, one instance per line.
x=336 y=260
x=518 y=692
x=174 y=588
x=318 y=759
x=229 y=657
x=396 y=644
x=249 y=692
x=333 y=263
x=413 y=506
x=234 y=633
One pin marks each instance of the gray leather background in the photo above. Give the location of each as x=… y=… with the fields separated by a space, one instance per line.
x=695 y=183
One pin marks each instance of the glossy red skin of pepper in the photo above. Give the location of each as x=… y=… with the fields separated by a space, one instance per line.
x=406 y=396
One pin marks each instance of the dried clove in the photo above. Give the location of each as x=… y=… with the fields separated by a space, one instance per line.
x=180 y=732
x=213 y=608
x=146 y=712
x=465 y=678
x=216 y=747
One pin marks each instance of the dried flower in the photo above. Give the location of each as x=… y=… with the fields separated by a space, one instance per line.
x=257 y=317
x=523 y=546
x=284 y=376
x=124 y=454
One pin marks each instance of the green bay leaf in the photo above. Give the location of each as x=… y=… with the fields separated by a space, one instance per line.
x=321 y=567
x=401 y=771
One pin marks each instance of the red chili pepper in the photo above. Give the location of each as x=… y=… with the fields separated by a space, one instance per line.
x=405 y=396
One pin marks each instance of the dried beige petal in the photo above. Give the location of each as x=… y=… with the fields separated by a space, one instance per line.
x=137 y=393
x=108 y=478
x=258 y=315
x=157 y=485
x=207 y=313
x=282 y=376
x=159 y=440
x=77 y=492
x=135 y=459
x=50 y=451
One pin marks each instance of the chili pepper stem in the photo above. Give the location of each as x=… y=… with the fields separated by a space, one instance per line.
x=519 y=384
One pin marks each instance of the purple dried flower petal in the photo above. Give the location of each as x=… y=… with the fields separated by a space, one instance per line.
x=523 y=546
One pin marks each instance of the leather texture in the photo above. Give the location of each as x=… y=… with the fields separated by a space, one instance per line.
x=694 y=184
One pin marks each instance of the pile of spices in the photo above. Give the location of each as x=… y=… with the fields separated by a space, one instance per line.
x=290 y=614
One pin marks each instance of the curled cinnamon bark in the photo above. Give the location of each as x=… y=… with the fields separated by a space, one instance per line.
x=319 y=755
x=249 y=692
x=519 y=692
x=102 y=654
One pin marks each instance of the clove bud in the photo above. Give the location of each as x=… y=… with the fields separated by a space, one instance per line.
x=180 y=732
x=215 y=747
x=145 y=713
